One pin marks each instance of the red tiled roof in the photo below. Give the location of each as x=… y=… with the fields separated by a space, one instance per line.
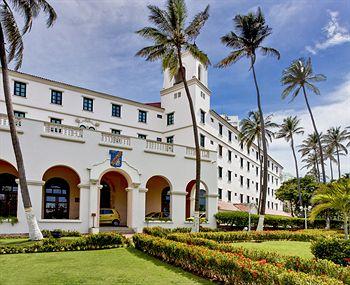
x=155 y=104
x=226 y=206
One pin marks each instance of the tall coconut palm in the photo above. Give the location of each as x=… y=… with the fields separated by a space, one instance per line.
x=311 y=164
x=288 y=129
x=11 y=49
x=336 y=138
x=329 y=154
x=251 y=31
x=250 y=132
x=333 y=196
x=298 y=77
x=171 y=37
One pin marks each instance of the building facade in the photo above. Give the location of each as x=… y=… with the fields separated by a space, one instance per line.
x=85 y=151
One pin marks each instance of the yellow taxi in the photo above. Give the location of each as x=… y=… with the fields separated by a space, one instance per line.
x=109 y=216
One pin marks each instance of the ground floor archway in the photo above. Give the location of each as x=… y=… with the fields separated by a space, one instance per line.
x=113 y=196
x=8 y=190
x=158 y=198
x=190 y=198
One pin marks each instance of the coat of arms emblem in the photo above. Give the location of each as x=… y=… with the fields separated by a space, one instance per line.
x=116 y=158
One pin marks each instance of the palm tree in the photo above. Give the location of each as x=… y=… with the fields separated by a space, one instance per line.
x=171 y=38
x=250 y=132
x=11 y=49
x=335 y=195
x=296 y=77
x=311 y=164
x=329 y=154
x=251 y=32
x=288 y=129
x=334 y=139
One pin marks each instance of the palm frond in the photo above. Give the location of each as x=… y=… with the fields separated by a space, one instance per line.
x=270 y=51
x=193 y=30
x=233 y=57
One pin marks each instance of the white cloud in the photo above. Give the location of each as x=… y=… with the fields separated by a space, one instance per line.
x=334 y=32
x=332 y=112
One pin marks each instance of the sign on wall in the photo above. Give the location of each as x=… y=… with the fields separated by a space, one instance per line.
x=116 y=158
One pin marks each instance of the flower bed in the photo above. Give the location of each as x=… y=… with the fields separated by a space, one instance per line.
x=89 y=242
x=314 y=267
x=336 y=250
x=224 y=266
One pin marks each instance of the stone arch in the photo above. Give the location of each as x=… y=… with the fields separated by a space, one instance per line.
x=8 y=189
x=60 y=190
x=158 y=197
x=190 y=197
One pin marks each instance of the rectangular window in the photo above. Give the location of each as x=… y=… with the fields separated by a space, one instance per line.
x=276 y=206
x=142 y=116
x=20 y=89
x=220 y=129
x=241 y=198
x=248 y=165
x=257 y=155
x=19 y=114
x=141 y=136
x=56 y=97
x=229 y=176
x=170 y=119
x=116 y=132
x=229 y=136
x=256 y=186
x=272 y=179
x=229 y=154
x=202 y=117
x=256 y=201
x=268 y=190
x=116 y=110
x=242 y=161
x=241 y=180
x=257 y=171
x=220 y=171
x=170 y=139
x=220 y=150
x=88 y=104
x=242 y=146
x=159 y=116
x=220 y=193
x=55 y=121
x=248 y=183
x=159 y=139
x=202 y=140
x=268 y=204
x=229 y=196
x=248 y=199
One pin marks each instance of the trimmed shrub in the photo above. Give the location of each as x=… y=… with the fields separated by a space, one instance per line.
x=63 y=233
x=163 y=232
x=89 y=242
x=336 y=250
x=224 y=266
x=315 y=267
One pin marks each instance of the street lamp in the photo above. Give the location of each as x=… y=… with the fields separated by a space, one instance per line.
x=305 y=209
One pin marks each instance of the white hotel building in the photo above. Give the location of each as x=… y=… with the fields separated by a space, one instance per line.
x=67 y=133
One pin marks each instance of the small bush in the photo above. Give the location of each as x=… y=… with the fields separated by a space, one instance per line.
x=63 y=233
x=336 y=250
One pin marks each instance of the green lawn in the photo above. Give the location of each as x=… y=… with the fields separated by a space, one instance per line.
x=297 y=248
x=115 y=266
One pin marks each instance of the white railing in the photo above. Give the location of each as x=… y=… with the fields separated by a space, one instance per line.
x=4 y=121
x=62 y=130
x=115 y=139
x=159 y=146
x=191 y=151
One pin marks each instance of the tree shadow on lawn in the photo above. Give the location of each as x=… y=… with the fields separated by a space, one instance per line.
x=167 y=266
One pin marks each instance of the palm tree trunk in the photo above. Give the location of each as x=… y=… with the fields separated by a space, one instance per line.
x=296 y=169
x=196 y=142
x=331 y=168
x=262 y=209
x=338 y=158
x=317 y=167
x=260 y=172
x=33 y=228
x=318 y=136
x=346 y=228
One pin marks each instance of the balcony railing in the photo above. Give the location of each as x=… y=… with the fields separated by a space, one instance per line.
x=4 y=121
x=191 y=152
x=159 y=147
x=62 y=130
x=107 y=138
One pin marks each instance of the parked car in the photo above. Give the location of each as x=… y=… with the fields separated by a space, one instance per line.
x=202 y=218
x=109 y=216
x=157 y=215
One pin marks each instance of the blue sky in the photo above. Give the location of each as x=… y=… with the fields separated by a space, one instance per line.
x=93 y=45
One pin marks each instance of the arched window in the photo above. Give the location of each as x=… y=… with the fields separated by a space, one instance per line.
x=8 y=195
x=92 y=129
x=178 y=77
x=202 y=201
x=56 y=201
x=82 y=127
x=166 y=201
x=199 y=72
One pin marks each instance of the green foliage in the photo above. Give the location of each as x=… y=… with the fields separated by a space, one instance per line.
x=11 y=219
x=240 y=220
x=163 y=232
x=336 y=250
x=63 y=233
x=226 y=267
x=89 y=242
x=315 y=267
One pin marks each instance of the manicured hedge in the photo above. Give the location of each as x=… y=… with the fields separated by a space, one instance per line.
x=63 y=233
x=224 y=266
x=315 y=267
x=89 y=242
x=336 y=250
x=163 y=232
x=265 y=235
x=240 y=220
